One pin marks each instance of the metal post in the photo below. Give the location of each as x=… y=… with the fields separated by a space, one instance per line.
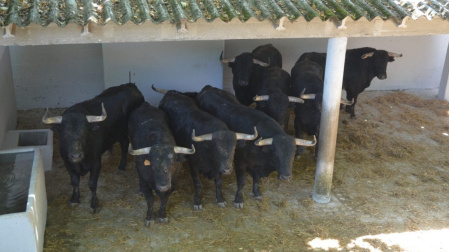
x=336 y=52
x=443 y=92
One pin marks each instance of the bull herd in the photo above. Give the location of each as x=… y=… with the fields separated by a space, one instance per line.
x=213 y=128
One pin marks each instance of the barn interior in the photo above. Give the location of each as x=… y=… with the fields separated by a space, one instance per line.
x=390 y=174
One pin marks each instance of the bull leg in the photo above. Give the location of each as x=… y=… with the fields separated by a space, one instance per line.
x=163 y=196
x=197 y=186
x=124 y=142
x=93 y=180
x=240 y=175
x=149 y=197
x=298 y=132
x=75 y=181
x=256 y=191
x=350 y=109
x=218 y=190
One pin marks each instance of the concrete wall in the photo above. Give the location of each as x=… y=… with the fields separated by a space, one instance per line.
x=420 y=67
x=56 y=75
x=179 y=65
x=8 y=114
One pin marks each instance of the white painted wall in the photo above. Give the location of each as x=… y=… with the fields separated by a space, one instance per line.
x=179 y=65
x=62 y=75
x=8 y=114
x=420 y=67
x=56 y=75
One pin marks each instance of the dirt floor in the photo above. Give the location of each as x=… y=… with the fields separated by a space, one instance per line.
x=390 y=193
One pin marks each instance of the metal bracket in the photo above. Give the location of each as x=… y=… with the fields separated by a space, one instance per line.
x=86 y=30
x=403 y=25
x=182 y=27
x=342 y=25
x=281 y=24
x=9 y=31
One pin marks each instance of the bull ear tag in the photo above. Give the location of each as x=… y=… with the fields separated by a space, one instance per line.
x=146 y=162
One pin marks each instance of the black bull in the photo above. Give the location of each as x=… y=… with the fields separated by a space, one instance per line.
x=248 y=68
x=274 y=151
x=213 y=141
x=84 y=137
x=157 y=156
x=361 y=66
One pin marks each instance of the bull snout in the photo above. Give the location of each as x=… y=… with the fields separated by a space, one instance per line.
x=76 y=157
x=284 y=178
x=225 y=171
x=163 y=188
x=382 y=76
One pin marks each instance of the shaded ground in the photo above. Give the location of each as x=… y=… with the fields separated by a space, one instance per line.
x=391 y=176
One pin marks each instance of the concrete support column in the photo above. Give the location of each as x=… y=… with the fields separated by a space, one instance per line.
x=336 y=51
x=443 y=93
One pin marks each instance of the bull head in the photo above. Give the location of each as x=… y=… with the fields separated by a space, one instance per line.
x=267 y=97
x=239 y=136
x=90 y=118
x=146 y=150
x=301 y=142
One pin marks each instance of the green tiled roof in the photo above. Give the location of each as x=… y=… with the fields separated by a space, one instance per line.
x=81 y=12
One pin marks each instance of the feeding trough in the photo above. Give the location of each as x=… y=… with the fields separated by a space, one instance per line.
x=23 y=200
x=37 y=138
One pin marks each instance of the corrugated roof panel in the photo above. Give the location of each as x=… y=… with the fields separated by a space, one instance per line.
x=81 y=12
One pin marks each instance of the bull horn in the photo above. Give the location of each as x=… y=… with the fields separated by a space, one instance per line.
x=242 y=136
x=346 y=102
x=50 y=120
x=295 y=99
x=202 y=137
x=260 y=63
x=101 y=118
x=303 y=142
x=367 y=55
x=307 y=96
x=392 y=54
x=261 y=98
x=182 y=150
x=231 y=60
x=159 y=90
x=138 y=152
x=262 y=142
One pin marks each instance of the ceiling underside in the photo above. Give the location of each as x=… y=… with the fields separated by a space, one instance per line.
x=34 y=22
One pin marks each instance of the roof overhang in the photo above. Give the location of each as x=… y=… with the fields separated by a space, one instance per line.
x=35 y=34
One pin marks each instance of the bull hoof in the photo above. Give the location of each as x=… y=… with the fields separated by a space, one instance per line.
x=238 y=205
x=94 y=210
x=149 y=223
x=222 y=204
x=258 y=197
x=197 y=207
x=163 y=220
x=73 y=204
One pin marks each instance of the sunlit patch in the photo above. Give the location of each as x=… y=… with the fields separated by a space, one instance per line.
x=422 y=127
x=327 y=244
x=431 y=240
x=446 y=134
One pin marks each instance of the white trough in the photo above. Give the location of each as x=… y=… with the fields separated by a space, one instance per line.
x=23 y=200
x=37 y=138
